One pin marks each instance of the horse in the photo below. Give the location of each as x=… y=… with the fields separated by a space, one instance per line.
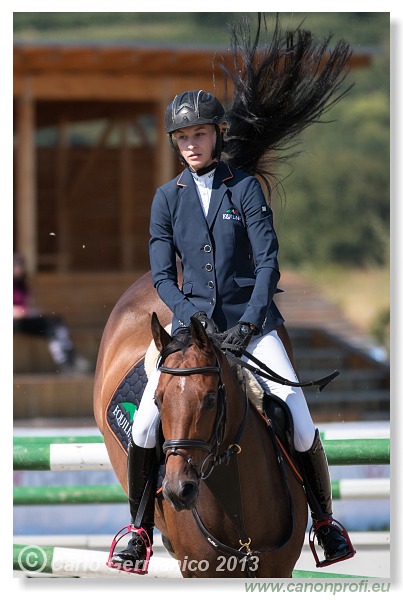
x=230 y=505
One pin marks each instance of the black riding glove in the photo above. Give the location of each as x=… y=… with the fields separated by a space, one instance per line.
x=208 y=324
x=238 y=336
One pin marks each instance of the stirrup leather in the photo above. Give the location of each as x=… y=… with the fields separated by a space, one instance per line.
x=334 y=524
x=139 y=570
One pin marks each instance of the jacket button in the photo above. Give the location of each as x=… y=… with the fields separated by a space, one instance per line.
x=212 y=301
x=208 y=267
x=211 y=284
x=207 y=248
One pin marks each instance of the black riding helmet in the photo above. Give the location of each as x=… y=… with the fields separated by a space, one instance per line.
x=192 y=108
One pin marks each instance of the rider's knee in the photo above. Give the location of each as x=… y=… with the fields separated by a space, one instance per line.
x=303 y=440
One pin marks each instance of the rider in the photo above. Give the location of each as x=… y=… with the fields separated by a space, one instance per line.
x=216 y=219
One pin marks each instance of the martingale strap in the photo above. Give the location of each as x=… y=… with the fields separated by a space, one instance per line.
x=241 y=553
x=224 y=483
x=232 y=506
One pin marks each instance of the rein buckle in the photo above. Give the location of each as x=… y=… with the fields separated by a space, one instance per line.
x=246 y=545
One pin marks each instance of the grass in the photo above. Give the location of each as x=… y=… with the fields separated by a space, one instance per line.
x=362 y=294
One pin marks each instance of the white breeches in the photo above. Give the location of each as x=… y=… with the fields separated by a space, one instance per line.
x=268 y=349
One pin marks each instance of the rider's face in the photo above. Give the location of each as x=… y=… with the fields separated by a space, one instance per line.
x=196 y=144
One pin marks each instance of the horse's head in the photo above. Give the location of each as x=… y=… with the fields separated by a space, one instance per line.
x=191 y=400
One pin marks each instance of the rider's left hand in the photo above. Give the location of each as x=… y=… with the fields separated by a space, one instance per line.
x=239 y=337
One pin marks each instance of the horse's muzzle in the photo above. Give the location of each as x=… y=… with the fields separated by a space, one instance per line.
x=181 y=494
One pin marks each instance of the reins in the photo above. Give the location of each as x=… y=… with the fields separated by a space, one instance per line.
x=267 y=373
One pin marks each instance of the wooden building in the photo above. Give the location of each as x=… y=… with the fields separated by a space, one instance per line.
x=88 y=149
x=88 y=157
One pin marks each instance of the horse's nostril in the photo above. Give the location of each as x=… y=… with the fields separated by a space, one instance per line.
x=181 y=495
x=188 y=490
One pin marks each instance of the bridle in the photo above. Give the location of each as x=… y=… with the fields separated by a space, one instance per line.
x=179 y=446
x=211 y=447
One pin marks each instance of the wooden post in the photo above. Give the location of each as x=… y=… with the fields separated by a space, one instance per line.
x=126 y=200
x=63 y=228
x=164 y=165
x=26 y=210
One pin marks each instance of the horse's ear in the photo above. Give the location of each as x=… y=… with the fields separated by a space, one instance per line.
x=199 y=335
x=161 y=337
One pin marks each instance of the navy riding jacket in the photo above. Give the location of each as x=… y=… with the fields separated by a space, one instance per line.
x=229 y=259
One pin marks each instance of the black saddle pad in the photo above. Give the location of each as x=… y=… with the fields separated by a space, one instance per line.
x=125 y=402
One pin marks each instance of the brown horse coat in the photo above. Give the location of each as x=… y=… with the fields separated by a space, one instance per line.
x=125 y=340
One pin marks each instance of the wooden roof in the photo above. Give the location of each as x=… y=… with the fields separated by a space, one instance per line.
x=120 y=72
x=130 y=59
x=111 y=59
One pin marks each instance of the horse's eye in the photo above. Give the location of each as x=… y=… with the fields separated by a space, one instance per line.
x=157 y=401
x=209 y=400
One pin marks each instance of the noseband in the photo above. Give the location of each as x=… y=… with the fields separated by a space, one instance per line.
x=175 y=447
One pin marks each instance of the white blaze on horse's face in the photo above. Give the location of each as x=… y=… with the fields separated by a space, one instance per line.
x=181 y=484
x=182 y=383
x=187 y=406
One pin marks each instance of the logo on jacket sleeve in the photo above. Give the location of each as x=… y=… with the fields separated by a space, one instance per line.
x=232 y=213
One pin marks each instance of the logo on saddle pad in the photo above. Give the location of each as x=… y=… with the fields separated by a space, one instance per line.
x=124 y=418
x=125 y=402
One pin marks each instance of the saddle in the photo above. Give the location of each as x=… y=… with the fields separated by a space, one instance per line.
x=272 y=408
x=278 y=413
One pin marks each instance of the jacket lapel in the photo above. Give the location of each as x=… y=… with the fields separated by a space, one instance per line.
x=222 y=174
x=190 y=197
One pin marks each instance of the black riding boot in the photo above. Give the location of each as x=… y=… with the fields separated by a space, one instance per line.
x=140 y=467
x=332 y=537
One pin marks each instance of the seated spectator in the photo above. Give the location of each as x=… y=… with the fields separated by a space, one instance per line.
x=31 y=321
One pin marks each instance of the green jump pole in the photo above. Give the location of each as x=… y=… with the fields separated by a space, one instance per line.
x=358 y=452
